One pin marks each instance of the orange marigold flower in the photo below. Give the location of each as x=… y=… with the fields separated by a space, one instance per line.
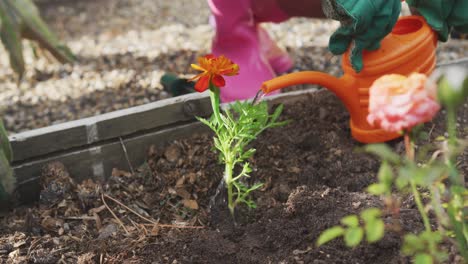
x=213 y=68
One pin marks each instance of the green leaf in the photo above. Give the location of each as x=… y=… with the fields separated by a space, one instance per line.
x=253 y=188
x=7 y=179
x=431 y=174
x=11 y=38
x=405 y=174
x=384 y=152
x=435 y=236
x=375 y=230
x=33 y=27
x=207 y=123
x=377 y=189
x=353 y=236
x=21 y=19
x=350 y=220
x=385 y=175
x=246 y=155
x=330 y=234
x=277 y=113
x=282 y=123
x=370 y=214
x=246 y=169
x=401 y=183
x=423 y=259
x=411 y=244
x=251 y=204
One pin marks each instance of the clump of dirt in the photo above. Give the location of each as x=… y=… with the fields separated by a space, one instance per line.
x=313 y=175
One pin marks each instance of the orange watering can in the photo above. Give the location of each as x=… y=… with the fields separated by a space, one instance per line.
x=410 y=47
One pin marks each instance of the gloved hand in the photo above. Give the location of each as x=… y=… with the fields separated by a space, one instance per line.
x=443 y=15
x=364 y=23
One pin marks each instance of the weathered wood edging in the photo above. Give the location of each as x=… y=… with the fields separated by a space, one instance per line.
x=92 y=147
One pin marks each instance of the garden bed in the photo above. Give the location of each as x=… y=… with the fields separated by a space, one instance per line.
x=167 y=211
x=140 y=185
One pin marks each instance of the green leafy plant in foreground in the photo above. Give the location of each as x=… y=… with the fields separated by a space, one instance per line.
x=234 y=130
x=434 y=177
x=21 y=19
x=353 y=232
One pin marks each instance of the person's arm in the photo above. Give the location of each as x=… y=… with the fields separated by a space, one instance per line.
x=302 y=8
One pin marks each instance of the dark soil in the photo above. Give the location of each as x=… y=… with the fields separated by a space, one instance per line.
x=313 y=176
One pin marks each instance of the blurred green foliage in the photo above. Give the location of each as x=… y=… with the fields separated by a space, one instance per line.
x=20 y=19
x=7 y=180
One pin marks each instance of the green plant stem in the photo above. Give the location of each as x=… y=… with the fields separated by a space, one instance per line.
x=417 y=198
x=452 y=126
x=419 y=204
x=438 y=208
x=455 y=179
x=454 y=176
x=228 y=179
x=228 y=168
x=214 y=96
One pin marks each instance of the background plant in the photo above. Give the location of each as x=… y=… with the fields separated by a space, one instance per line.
x=420 y=175
x=21 y=19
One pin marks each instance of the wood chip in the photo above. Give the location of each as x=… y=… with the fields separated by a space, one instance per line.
x=192 y=204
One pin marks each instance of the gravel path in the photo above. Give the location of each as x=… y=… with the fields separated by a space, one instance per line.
x=124 y=47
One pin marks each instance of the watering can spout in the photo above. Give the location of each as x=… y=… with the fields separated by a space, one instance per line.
x=304 y=77
x=332 y=83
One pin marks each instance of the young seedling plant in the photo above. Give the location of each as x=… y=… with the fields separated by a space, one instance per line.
x=234 y=129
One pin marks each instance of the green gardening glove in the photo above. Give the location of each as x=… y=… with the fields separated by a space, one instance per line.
x=364 y=23
x=443 y=15
x=458 y=18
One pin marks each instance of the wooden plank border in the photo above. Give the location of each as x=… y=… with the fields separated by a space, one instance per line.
x=87 y=131
x=95 y=159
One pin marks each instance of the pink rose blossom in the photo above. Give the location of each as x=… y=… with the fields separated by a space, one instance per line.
x=397 y=102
